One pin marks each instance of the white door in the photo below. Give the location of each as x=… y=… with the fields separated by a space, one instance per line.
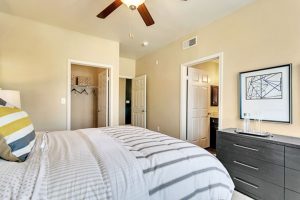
x=198 y=119
x=103 y=99
x=139 y=101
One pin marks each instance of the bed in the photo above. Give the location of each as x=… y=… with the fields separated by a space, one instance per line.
x=123 y=162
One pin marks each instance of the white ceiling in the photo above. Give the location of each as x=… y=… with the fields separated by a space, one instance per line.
x=173 y=19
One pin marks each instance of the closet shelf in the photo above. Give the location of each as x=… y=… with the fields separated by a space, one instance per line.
x=81 y=86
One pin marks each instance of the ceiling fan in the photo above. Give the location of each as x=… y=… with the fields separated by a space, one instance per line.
x=133 y=5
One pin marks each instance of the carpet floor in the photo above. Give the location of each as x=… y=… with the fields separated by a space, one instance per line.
x=239 y=196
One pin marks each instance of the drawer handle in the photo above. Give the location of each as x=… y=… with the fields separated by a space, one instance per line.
x=244 y=147
x=245 y=165
x=242 y=181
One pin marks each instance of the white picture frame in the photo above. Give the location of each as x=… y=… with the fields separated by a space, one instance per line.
x=267 y=93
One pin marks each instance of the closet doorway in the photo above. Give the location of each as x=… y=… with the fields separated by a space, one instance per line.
x=89 y=97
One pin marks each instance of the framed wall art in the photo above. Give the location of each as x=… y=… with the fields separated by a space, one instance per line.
x=267 y=93
x=214 y=95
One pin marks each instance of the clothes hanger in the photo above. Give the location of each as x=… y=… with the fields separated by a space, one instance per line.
x=74 y=90
x=84 y=91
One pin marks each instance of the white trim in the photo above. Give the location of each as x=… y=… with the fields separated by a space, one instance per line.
x=107 y=100
x=127 y=77
x=89 y=64
x=145 y=102
x=183 y=101
x=183 y=90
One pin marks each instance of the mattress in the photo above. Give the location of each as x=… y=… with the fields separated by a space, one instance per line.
x=115 y=163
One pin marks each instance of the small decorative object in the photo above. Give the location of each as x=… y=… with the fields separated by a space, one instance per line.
x=73 y=80
x=257 y=123
x=214 y=95
x=252 y=128
x=268 y=92
x=82 y=81
x=262 y=134
x=246 y=123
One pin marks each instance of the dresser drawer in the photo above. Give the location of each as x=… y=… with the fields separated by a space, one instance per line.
x=257 y=168
x=292 y=179
x=255 y=187
x=292 y=158
x=291 y=195
x=249 y=147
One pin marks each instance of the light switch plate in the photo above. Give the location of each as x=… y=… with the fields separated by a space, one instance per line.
x=63 y=101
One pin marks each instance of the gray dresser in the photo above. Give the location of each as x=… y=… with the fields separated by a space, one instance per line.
x=262 y=168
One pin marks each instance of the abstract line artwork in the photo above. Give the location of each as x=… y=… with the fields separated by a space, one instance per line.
x=265 y=86
x=267 y=93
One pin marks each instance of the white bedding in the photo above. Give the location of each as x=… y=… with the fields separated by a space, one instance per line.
x=115 y=163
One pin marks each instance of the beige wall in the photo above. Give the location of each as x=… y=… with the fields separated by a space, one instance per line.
x=84 y=108
x=122 y=99
x=265 y=33
x=33 y=59
x=127 y=68
x=211 y=68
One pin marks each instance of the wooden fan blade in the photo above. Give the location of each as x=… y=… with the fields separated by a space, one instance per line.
x=145 y=15
x=109 y=9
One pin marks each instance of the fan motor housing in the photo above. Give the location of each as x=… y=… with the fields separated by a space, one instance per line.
x=132 y=7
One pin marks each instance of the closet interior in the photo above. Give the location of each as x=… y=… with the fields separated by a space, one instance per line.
x=89 y=97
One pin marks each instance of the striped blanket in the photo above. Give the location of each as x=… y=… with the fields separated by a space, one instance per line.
x=115 y=163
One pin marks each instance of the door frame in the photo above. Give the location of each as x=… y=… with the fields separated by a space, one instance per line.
x=69 y=86
x=126 y=77
x=183 y=90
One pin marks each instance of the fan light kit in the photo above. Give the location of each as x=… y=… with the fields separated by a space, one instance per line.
x=133 y=5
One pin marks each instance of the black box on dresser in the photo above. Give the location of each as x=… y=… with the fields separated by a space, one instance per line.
x=262 y=168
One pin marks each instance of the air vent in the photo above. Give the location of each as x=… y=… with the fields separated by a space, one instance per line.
x=190 y=43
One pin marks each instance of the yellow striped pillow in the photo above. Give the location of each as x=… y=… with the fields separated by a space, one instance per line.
x=17 y=135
